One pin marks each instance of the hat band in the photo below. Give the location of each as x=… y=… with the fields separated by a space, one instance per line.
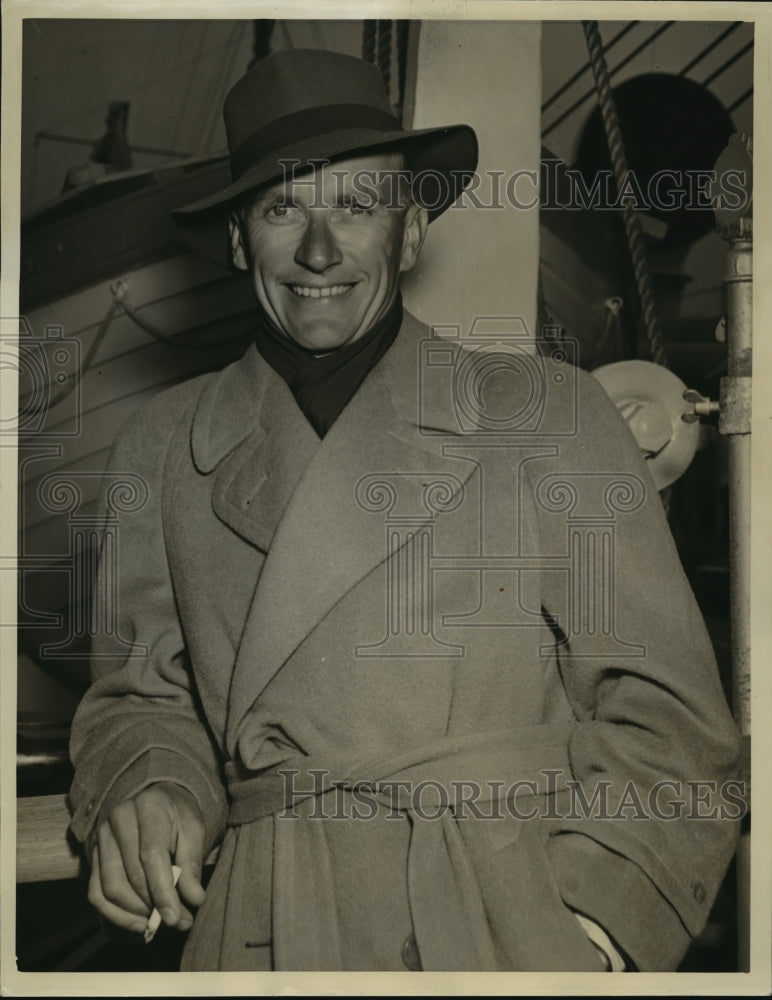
x=306 y=124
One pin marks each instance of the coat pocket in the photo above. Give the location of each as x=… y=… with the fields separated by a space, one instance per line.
x=532 y=928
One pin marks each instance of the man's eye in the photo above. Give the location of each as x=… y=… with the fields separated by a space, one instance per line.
x=281 y=210
x=356 y=207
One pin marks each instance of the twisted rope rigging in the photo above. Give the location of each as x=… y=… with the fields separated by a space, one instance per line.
x=384 y=53
x=378 y=48
x=633 y=231
x=620 y=65
x=368 y=40
x=403 y=34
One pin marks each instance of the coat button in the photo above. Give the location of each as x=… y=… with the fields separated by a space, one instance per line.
x=89 y=807
x=698 y=891
x=410 y=955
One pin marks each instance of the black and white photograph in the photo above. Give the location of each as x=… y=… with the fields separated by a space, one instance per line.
x=385 y=584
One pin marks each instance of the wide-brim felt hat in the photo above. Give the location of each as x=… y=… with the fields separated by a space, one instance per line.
x=300 y=106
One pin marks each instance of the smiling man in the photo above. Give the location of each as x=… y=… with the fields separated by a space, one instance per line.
x=363 y=667
x=325 y=255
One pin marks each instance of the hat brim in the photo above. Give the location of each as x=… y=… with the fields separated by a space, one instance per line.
x=442 y=161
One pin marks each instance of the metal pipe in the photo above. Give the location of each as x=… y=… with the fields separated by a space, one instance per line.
x=734 y=423
x=735 y=224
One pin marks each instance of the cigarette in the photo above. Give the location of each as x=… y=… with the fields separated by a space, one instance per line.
x=154 y=920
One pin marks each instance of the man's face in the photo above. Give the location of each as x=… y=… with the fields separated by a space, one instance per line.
x=326 y=250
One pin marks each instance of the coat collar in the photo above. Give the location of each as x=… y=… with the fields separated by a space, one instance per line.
x=229 y=409
x=249 y=433
x=247 y=398
x=305 y=501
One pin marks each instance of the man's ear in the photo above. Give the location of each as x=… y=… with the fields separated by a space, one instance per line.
x=238 y=254
x=416 y=223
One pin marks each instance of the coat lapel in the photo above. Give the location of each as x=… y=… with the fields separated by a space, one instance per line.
x=249 y=433
x=328 y=540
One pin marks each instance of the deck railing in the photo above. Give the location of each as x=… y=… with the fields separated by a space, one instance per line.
x=46 y=850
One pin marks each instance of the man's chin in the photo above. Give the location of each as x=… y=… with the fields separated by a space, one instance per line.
x=320 y=332
x=327 y=338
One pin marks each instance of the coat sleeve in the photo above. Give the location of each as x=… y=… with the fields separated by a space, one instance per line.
x=652 y=719
x=140 y=722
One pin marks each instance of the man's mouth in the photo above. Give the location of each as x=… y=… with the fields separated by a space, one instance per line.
x=324 y=292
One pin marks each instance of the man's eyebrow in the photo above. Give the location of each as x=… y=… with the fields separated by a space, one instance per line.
x=272 y=197
x=386 y=191
x=365 y=197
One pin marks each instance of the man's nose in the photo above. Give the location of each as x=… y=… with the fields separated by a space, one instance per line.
x=318 y=249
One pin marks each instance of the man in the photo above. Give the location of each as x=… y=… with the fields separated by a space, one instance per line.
x=364 y=600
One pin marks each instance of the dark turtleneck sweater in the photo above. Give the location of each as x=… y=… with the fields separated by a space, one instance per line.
x=323 y=385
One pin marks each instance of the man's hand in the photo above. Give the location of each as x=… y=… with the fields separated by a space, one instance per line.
x=132 y=861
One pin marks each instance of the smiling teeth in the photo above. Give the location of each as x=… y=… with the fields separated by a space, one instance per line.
x=319 y=293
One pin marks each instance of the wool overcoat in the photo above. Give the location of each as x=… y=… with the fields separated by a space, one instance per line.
x=436 y=680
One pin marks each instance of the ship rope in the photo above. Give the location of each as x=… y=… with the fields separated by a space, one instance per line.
x=632 y=225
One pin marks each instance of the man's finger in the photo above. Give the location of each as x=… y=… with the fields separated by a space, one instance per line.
x=123 y=824
x=156 y=846
x=154 y=921
x=114 y=883
x=115 y=914
x=189 y=857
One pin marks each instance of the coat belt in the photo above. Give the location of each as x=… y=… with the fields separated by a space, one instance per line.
x=440 y=873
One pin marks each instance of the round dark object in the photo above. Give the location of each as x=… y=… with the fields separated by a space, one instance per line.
x=668 y=123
